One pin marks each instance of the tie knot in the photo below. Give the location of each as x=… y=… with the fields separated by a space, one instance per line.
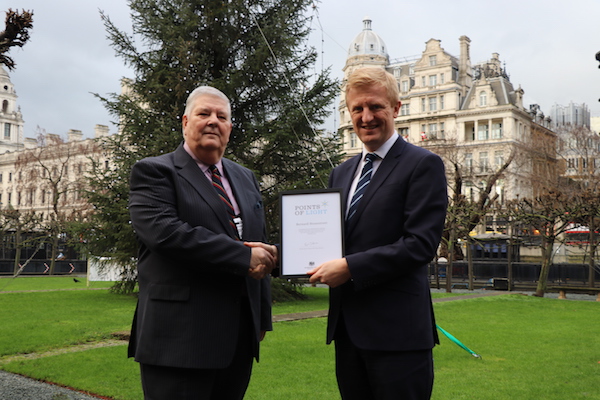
x=370 y=157
x=213 y=168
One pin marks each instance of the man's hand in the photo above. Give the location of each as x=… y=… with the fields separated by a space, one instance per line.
x=332 y=273
x=269 y=247
x=262 y=260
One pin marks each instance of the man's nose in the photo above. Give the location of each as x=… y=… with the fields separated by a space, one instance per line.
x=367 y=115
x=213 y=119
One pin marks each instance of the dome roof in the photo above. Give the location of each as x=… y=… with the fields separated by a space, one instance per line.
x=3 y=74
x=367 y=42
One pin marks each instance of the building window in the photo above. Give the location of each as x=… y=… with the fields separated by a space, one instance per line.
x=432 y=61
x=433 y=104
x=405 y=109
x=352 y=139
x=483 y=99
x=499 y=158
x=469 y=162
x=403 y=132
x=497 y=130
x=432 y=80
x=10 y=176
x=432 y=134
x=423 y=105
x=7 y=131
x=423 y=81
x=442 y=129
x=483 y=161
x=470 y=133
x=442 y=79
x=405 y=86
x=483 y=132
x=442 y=102
x=423 y=132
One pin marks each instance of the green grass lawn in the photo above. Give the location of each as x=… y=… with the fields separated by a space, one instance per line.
x=24 y=282
x=531 y=348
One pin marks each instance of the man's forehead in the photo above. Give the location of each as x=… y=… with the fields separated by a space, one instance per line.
x=210 y=102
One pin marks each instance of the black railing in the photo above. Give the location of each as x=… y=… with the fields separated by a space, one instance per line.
x=521 y=272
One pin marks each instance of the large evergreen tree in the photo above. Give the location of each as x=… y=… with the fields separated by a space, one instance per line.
x=256 y=52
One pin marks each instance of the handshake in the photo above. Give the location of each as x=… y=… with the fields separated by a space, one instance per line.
x=263 y=259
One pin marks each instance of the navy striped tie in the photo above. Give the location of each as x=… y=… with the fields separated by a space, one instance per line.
x=218 y=185
x=363 y=182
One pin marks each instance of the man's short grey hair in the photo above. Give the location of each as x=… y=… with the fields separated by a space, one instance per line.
x=202 y=90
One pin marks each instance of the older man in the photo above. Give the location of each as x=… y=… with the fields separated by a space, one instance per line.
x=203 y=269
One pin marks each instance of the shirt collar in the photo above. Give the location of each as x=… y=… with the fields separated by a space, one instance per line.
x=383 y=149
x=204 y=167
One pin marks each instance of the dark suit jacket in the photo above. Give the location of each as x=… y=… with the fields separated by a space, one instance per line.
x=192 y=272
x=388 y=244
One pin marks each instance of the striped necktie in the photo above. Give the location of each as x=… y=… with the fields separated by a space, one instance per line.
x=218 y=185
x=363 y=182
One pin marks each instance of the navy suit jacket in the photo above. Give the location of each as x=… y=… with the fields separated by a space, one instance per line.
x=388 y=244
x=192 y=272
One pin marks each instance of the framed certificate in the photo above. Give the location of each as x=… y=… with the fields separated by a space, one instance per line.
x=312 y=227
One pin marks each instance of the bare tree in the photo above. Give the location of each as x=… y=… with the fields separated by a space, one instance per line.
x=17 y=223
x=549 y=215
x=465 y=213
x=52 y=173
x=16 y=33
x=579 y=152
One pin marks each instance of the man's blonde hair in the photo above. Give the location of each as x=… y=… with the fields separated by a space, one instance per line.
x=373 y=76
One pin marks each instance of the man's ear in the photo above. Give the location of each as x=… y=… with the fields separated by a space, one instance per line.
x=397 y=109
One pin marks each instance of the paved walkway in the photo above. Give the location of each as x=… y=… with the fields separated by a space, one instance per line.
x=16 y=387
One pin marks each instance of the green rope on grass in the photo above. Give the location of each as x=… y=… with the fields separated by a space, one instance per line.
x=458 y=342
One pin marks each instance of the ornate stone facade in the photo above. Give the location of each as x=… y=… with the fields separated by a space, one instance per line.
x=470 y=114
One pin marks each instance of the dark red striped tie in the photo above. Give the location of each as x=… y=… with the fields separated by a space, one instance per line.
x=218 y=185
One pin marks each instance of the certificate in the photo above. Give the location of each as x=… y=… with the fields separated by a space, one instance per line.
x=311 y=229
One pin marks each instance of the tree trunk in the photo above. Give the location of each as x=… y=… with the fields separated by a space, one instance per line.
x=509 y=258
x=449 y=265
x=17 y=250
x=592 y=257
x=470 y=263
x=547 y=249
x=53 y=254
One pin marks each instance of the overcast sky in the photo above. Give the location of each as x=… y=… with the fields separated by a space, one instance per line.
x=547 y=47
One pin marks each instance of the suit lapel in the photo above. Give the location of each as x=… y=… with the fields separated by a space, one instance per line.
x=239 y=188
x=188 y=169
x=387 y=165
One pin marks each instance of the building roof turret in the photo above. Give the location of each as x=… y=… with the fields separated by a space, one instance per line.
x=367 y=42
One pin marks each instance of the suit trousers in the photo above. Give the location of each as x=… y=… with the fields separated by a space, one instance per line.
x=171 y=383
x=381 y=375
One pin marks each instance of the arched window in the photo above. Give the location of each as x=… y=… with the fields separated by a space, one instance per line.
x=483 y=99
